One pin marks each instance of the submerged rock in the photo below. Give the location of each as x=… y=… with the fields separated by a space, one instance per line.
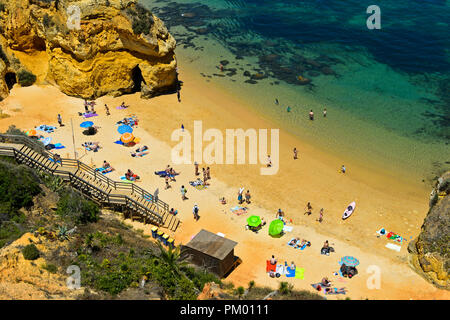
x=120 y=47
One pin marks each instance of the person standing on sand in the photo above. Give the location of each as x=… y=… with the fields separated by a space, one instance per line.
x=325 y=112
x=320 y=215
x=195 y=211
x=343 y=169
x=221 y=67
x=240 y=200
x=167 y=182
x=196 y=168
x=182 y=127
x=308 y=209
x=208 y=173
x=107 y=110
x=183 y=193
x=273 y=261
x=295 y=154
x=247 y=196
x=311 y=115
x=59 y=120
x=269 y=161
x=205 y=178
x=288 y=109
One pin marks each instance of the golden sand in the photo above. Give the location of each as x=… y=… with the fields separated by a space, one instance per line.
x=382 y=200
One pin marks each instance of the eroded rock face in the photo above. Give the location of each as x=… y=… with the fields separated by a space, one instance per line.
x=430 y=251
x=118 y=48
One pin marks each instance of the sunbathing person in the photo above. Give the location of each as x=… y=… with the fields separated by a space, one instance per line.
x=294 y=241
x=123 y=105
x=107 y=167
x=325 y=282
x=141 y=149
x=174 y=212
x=138 y=154
x=131 y=176
x=57 y=158
x=223 y=201
x=263 y=222
x=94 y=146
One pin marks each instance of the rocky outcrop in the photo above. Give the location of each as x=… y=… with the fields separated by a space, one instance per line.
x=429 y=253
x=117 y=47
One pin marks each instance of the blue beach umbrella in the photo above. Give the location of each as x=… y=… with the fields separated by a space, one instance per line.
x=124 y=128
x=86 y=124
x=349 y=261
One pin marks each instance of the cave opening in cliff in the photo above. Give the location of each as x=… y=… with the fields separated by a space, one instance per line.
x=136 y=75
x=10 y=79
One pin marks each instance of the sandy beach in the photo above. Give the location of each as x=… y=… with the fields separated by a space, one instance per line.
x=383 y=199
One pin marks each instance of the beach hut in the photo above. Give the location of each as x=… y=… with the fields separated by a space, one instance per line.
x=211 y=251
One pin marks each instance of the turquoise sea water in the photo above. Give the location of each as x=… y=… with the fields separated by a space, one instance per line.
x=387 y=92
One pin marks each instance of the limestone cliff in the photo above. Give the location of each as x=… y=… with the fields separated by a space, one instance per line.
x=117 y=47
x=430 y=251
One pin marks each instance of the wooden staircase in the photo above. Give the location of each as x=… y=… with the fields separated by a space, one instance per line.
x=89 y=182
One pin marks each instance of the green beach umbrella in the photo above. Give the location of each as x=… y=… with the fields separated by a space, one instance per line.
x=254 y=221
x=275 y=227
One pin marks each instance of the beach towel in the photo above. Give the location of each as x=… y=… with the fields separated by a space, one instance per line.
x=393 y=247
x=280 y=269
x=299 y=273
x=163 y=174
x=270 y=267
x=124 y=179
x=89 y=115
x=287 y=229
x=239 y=210
x=52 y=160
x=334 y=291
x=290 y=273
x=119 y=142
x=59 y=146
x=46 y=128
x=103 y=170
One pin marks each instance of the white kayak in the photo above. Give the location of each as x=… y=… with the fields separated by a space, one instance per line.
x=348 y=212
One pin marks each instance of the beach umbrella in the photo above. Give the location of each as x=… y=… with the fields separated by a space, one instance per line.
x=86 y=124
x=31 y=133
x=125 y=129
x=254 y=221
x=349 y=261
x=127 y=137
x=275 y=227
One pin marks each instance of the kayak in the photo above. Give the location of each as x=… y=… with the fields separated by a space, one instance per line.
x=348 y=212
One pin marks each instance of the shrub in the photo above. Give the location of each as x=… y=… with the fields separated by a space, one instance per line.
x=75 y=208
x=50 y=268
x=285 y=288
x=26 y=78
x=142 y=20
x=30 y=252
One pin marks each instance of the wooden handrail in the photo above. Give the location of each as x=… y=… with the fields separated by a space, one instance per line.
x=23 y=154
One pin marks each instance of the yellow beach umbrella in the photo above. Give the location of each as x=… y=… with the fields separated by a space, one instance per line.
x=127 y=137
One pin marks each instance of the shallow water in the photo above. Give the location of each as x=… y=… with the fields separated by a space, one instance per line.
x=387 y=92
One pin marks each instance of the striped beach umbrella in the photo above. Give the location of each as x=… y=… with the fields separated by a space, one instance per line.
x=254 y=221
x=127 y=137
x=349 y=261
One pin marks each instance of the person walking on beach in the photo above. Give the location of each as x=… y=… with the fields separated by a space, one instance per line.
x=86 y=106
x=182 y=127
x=205 y=178
x=325 y=112
x=308 y=209
x=59 y=120
x=273 y=261
x=343 y=169
x=183 y=193
x=269 y=161
x=279 y=214
x=295 y=154
x=320 y=215
x=208 y=173
x=240 y=200
x=247 y=196
x=276 y=101
x=311 y=115
x=195 y=211
x=167 y=182
x=107 y=110
x=196 y=168
x=288 y=109
x=221 y=67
